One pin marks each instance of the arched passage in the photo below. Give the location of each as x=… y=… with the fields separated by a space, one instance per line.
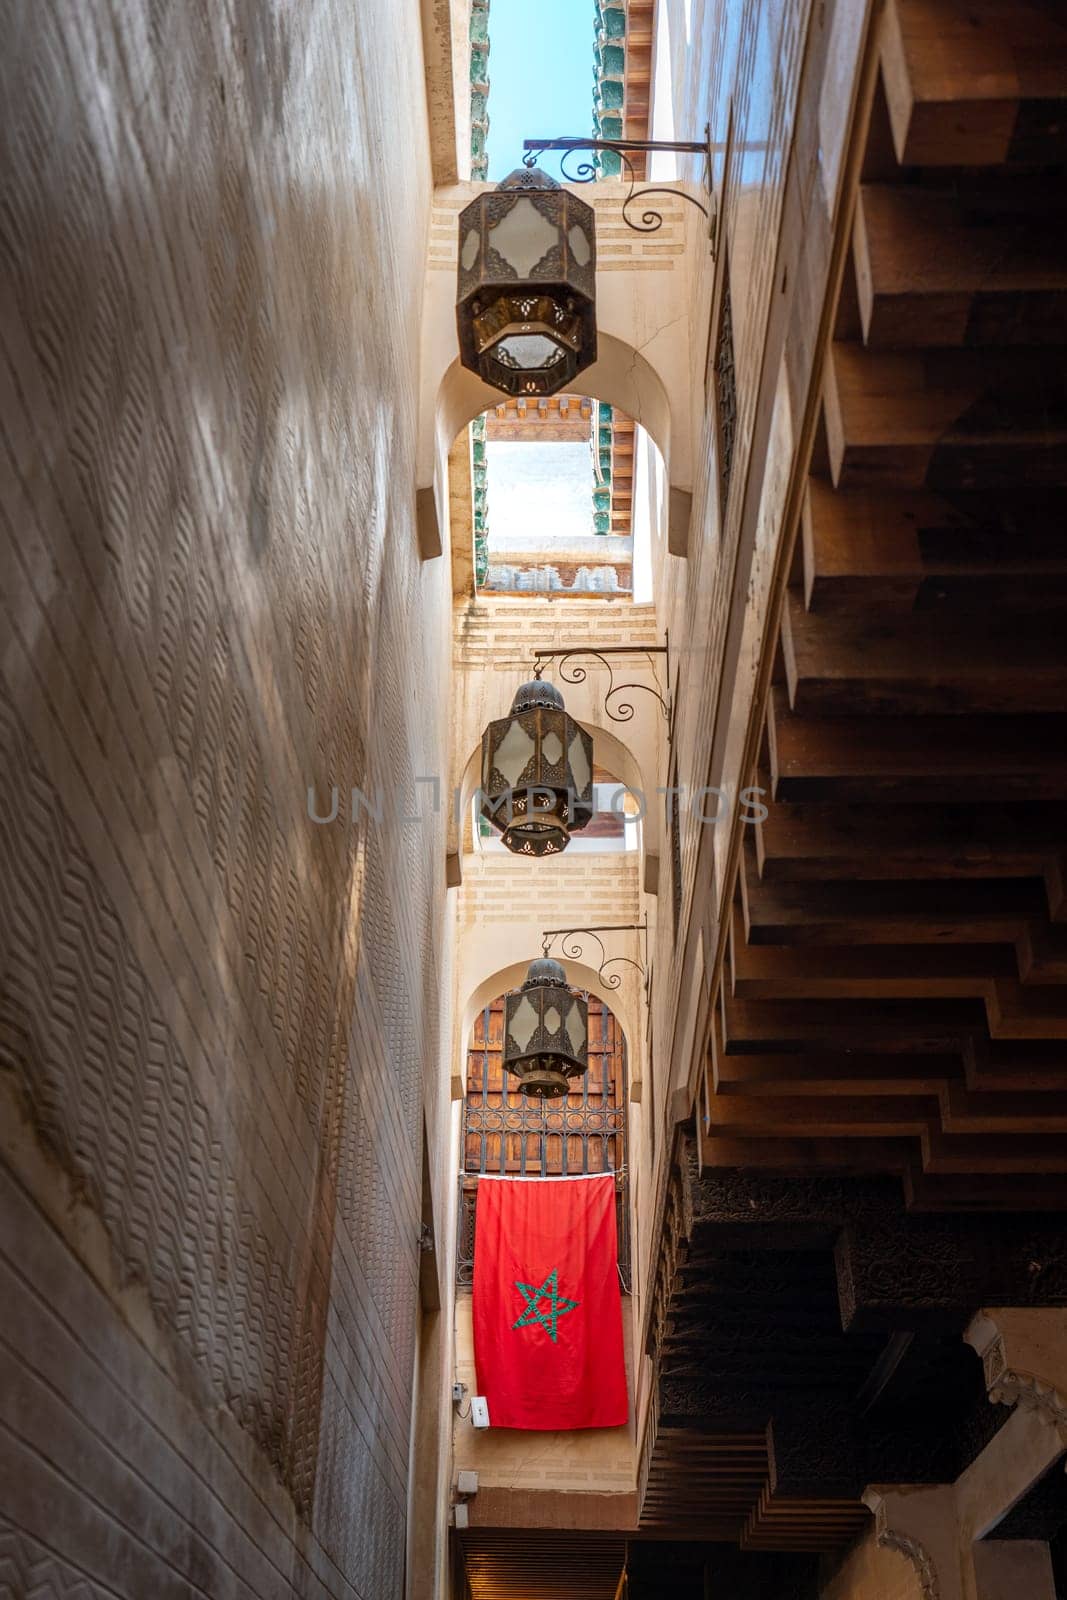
x=578 y=975
x=506 y=1134
x=609 y=752
x=621 y=376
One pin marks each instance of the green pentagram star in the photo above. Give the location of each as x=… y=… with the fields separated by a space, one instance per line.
x=558 y=1305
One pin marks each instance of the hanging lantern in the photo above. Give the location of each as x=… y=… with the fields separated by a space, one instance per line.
x=526 y=302
x=546 y=1031
x=537 y=773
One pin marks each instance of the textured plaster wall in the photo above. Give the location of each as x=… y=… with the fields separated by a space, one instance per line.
x=219 y=1023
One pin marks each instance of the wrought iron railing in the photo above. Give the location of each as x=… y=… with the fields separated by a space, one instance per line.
x=534 y=1138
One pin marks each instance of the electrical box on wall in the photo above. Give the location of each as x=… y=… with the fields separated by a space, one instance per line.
x=479 y=1411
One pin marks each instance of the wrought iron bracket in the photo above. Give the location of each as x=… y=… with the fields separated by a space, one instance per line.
x=623 y=710
x=575 y=950
x=586 y=172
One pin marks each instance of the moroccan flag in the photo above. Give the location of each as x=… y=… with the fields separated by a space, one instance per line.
x=547 y=1310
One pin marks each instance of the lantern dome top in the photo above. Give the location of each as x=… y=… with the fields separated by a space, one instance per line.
x=544 y=971
x=536 y=693
x=528 y=178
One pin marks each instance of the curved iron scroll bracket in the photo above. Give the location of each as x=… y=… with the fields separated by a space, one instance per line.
x=586 y=172
x=616 y=710
x=572 y=948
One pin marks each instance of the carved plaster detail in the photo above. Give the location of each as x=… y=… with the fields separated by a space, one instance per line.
x=1031 y=1393
x=1010 y=1385
x=912 y=1550
x=913 y=1523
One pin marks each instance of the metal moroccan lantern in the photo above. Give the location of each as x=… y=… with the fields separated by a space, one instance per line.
x=546 y=1031
x=526 y=300
x=537 y=773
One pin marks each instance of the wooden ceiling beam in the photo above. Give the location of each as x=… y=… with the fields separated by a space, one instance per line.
x=891 y=550
x=923 y=664
x=936 y=760
x=928 y=273
x=958 y=77
x=820 y=842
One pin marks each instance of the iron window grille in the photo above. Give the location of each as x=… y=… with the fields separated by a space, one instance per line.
x=505 y=1132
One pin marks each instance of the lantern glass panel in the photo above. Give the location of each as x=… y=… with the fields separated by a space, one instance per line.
x=523 y=237
x=581 y=249
x=530 y=351
x=523 y=1023
x=576 y=1029
x=580 y=768
x=513 y=754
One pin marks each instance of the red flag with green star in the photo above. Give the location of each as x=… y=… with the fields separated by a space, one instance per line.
x=547 y=1310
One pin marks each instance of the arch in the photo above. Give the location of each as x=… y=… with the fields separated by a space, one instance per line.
x=484 y=979
x=621 y=376
x=622 y=1003
x=579 y=976
x=608 y=751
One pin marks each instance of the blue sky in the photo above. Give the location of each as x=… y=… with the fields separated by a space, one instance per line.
x=540 y=77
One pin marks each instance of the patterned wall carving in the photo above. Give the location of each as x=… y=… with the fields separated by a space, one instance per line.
x=222 y=1021
x=107 y=1088
x=30 y=1572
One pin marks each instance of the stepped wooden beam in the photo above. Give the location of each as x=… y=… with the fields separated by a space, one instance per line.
x=808 y=1494
x=893 y=550
x=798 y=843
x=890 y=1264
x=927 y=663
x=927 y=273
x=957 y=760
x=895 y=984
x=975 y=82
x=938 y=417
x=878 y=1145
x=805 y=1327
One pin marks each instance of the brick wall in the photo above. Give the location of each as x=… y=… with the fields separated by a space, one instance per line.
x=503 y=634
x=219 y=1023
x=578 y=888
